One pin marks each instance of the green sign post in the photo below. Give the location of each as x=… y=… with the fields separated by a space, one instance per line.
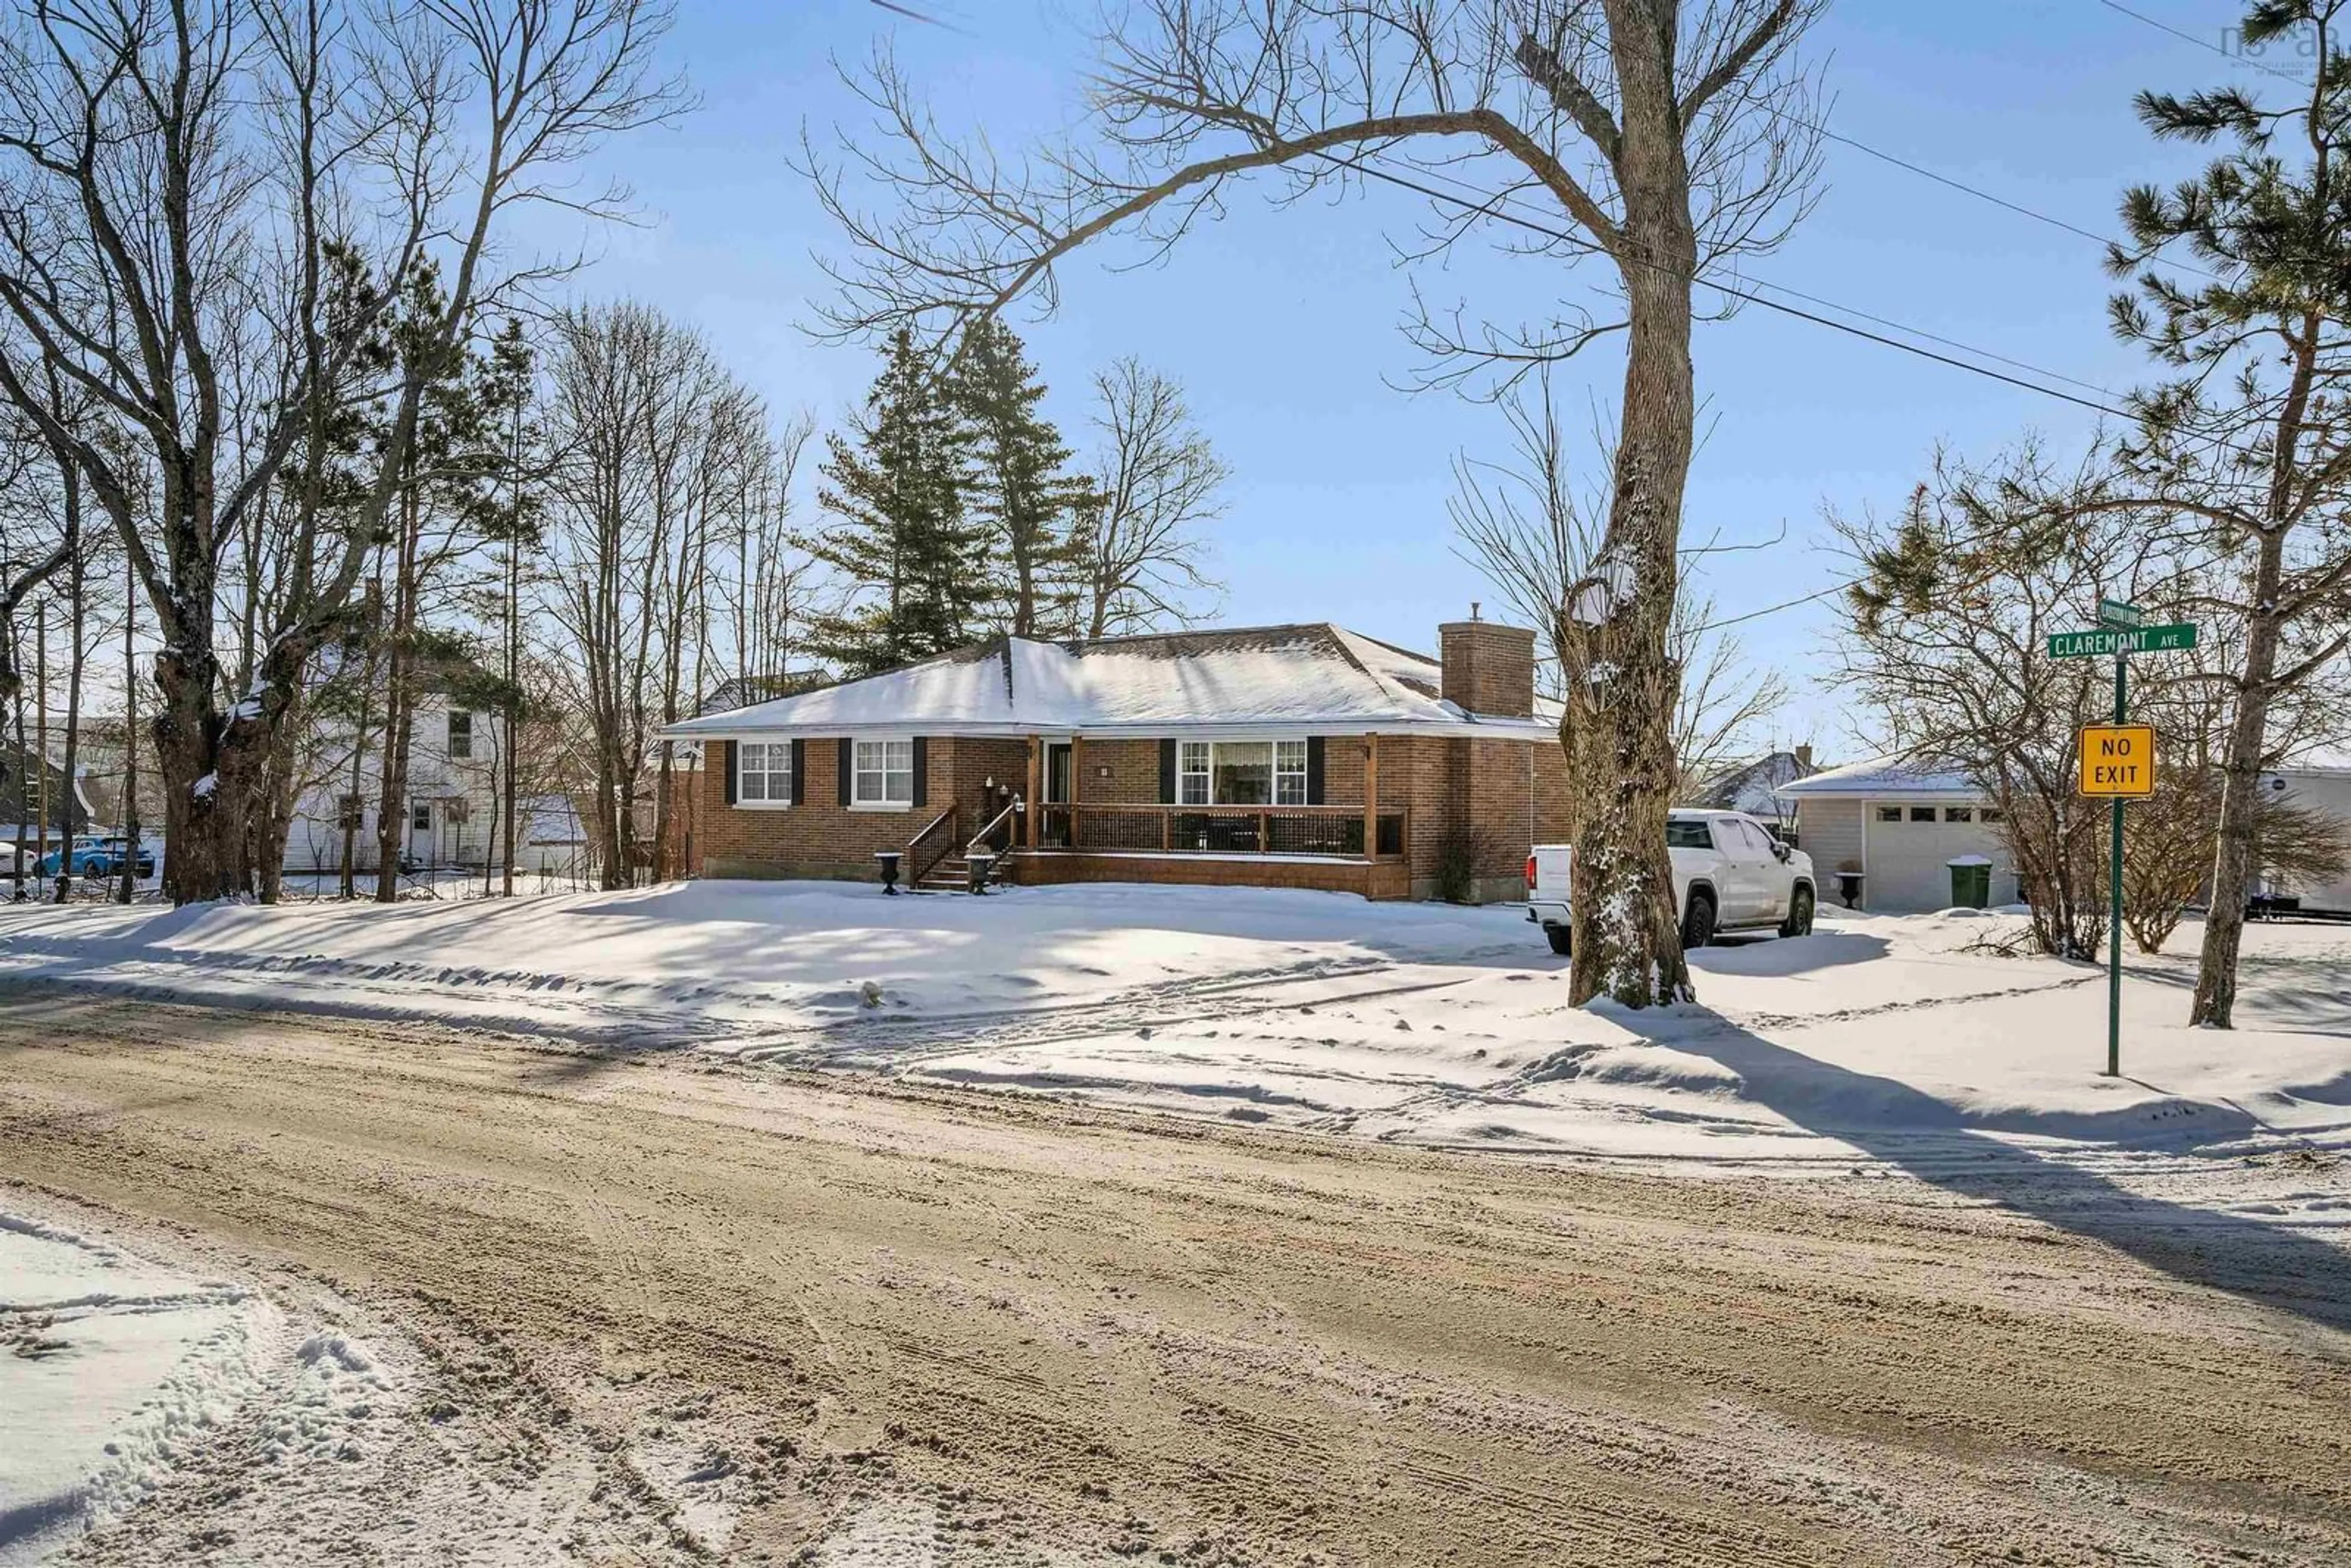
x=2122 y=631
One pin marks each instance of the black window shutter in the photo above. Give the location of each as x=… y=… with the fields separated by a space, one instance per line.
x=800 y=771
x=727 y=761
x=1314 y=771
x=921 y=771
x=841 y=751
x=1167 y=773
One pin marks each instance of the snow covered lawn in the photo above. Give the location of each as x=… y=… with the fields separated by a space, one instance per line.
x=1884 y=1037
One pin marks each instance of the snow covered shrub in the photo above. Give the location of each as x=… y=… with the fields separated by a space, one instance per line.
x=1463 y=851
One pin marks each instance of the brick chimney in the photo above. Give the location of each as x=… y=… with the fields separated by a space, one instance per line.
x=1489 y=668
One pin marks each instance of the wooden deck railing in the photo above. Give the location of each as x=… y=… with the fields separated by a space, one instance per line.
x=1330 y=830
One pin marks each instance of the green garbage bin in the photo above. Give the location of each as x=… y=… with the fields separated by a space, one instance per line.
x=1970 y=882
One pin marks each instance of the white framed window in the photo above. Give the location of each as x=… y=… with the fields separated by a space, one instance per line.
x=763 y=773
x=1959 y=813
x=881 y=775
x=1193 y=774
x=1290 y=773
x=1241 y=773
x=460 y=735
x=1889 y=813
x=420 y=816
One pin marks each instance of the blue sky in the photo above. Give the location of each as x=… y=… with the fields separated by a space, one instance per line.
x=1281 y=324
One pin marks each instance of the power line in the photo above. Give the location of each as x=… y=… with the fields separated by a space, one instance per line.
x=1490 y=208
x=2161 y=26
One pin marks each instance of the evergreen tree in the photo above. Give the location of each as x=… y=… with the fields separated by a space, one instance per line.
x=2248 y=442
x=1035 y=511
x=903 y=535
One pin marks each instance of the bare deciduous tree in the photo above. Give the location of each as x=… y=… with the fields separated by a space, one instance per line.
x=1158 y=480
x=1652 y=131
x=200 y=192
x=655 y=445
x=1952 y=608
x=1521 y=523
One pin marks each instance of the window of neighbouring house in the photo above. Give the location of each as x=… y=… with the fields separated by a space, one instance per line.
x=1922 y=813
x=883 y=773
x=460 y=735
x=763 y=773
x=420 y=816
x=350 y=811
x=1193 y=774
x=1959 y=813
x=1991 y=814
x=1889 y=813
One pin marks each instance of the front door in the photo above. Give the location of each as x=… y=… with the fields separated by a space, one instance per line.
x=1053 y=828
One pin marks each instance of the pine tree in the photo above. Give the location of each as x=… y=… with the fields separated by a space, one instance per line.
x=903 y=535
x=1034 y=510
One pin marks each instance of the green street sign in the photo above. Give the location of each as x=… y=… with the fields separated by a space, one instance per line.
x=2115 y=613
x=2114 y=640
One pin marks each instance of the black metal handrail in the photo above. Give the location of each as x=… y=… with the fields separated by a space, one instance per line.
x=923 y=854
x=982 y=841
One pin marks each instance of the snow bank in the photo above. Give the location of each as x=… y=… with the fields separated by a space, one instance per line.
x=110 y=1366
x=703 y=961
x=1413 y=1022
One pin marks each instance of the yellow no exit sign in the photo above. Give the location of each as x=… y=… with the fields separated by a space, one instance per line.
x=2118 y=759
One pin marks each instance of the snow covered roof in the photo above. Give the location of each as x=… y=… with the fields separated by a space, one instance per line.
x=1753 y=786
x=1890 y=775
x=1272 y=677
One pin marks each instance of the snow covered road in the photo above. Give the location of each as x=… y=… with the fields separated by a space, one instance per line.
x=665 y=1309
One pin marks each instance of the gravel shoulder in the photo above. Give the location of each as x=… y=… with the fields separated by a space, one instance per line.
x=656 y=1309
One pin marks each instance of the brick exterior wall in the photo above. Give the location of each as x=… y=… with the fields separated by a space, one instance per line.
x=822 y=838
x=1516 y=791
x=1488 y=667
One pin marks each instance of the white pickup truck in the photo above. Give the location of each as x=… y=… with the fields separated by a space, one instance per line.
x=1730 y=875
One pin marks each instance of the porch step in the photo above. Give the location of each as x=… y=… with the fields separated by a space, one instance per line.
x=953 y=874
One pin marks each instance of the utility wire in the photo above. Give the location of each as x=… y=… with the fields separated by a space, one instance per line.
x=1490 y=208
x=2161 y=26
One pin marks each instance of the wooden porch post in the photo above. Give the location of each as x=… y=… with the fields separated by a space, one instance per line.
x=1371 y=797
x=1034 y=833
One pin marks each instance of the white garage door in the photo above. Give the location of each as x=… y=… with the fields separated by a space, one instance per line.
x=1909 y=859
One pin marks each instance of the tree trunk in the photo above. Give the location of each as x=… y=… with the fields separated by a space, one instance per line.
x=399 y=697
x=1617 y=727
x=392 y=818
x=128 y=884
x=77 y=584
x=2240 y=776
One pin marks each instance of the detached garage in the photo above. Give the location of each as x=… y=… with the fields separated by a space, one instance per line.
x=1919 y=838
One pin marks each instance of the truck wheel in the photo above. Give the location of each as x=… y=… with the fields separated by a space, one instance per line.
x=1800 y=914
x=1562 y=939
x=1698 y=921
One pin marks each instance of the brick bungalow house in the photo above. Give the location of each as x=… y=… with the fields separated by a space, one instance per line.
x=1276 y=757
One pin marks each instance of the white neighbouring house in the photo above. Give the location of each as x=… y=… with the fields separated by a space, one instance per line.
x=1900 y=824
x=450 y=809
x=2321 y=782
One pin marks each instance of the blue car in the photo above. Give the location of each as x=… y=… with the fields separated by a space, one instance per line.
x=91 y=856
